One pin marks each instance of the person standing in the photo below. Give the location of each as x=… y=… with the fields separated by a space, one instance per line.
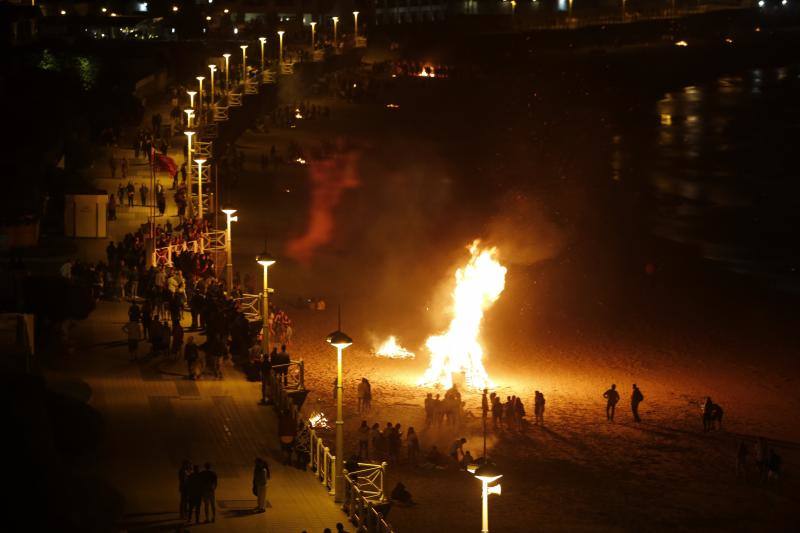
x=194 y=493
x=134 y=331
x=362 y=395
x=190 y=354
x=412 y=443
x=538 y=408
x=112 y=164
x=209 y=478
x=183 y=475
x=612 y=398
x=177 y=339
x=260 y=478
x=265 y=370
x=363 y=440
x=636 y=398
x=143 y=190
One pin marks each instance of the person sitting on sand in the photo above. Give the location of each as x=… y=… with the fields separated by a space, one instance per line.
x=434 y=458
x=466 y=460
x=400 y=494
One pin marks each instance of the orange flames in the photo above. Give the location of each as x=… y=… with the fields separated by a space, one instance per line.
x=390 y=348
x=458 y=350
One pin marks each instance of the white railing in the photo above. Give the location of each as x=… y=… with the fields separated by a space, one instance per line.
x=250 y=306
x=364 y=495
x=209 y=131
x=322 y=463
x=235 y=99
x=202 y=149
x=215 y=240
x=164 y=254
x=206 y=173
x=220 y=113
x=269 y=76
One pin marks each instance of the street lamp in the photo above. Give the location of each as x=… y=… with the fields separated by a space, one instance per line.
x=263 y=41
x=189 y=112
x=487 y=473
x=200 y=163
x=227 y=70
x=200 y=98
x=229 y=246
x=355 y=25
x=340 y=341
x=189 y=180
x=266 y=260
x=191 y=98
x=244 y=62
x=213 y=69
x=313 y=34
x=335 y=24
x=280 y=52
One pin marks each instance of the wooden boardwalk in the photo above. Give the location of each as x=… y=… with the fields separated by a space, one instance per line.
x=155 y=418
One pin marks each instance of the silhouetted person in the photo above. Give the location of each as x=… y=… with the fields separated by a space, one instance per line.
x=265 y=369
x=209 y=488
x=194 y=493
x=400 y=493
x=260 y=477
x=183 y=474
x=457 y=449
x=708 y=409
x=612 y=398
x=636 y=398
x=538 y=407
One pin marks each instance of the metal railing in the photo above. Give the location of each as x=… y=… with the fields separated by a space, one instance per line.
x=164 y=254
x=322 y=463
x=250 y=306
x=202 y=149
x=363 y=493
x=215 y=240
x=234 y=99
x=251 y=87
x=220 y=113
x=268 y=76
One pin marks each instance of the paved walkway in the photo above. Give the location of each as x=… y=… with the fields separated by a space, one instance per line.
x=155 y=418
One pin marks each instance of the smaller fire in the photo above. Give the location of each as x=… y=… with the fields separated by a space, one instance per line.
x=392 y=106
x=318 y=421
x=427 y=72
x=300 y=161
x=391 y=349
x=297 y=113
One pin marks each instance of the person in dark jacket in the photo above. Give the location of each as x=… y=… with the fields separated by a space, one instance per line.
x=636 y=398
x=183 y=474
x=265 y=370
x=612 y=397
x=260 y=478
x=191 y=353
x=209 y=478
x=194 y=493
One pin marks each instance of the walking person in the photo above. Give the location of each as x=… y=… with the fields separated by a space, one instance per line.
x=636 y=398
x=362 y=395
x=134 y=331
x=260 y=478
x=209 y=487
x=612 y=398
x=143 y=190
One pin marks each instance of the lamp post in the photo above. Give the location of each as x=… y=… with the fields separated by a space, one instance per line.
x=263 y=41
x=244 y=62
x=265 y=260
x=355 y=25
x=200 y=163
x=340 y=341
x=229 y=246
x=227 y=71
x=313 y=35
x=280 y=46
x=189 y=112
x=191 y=98
x=189 y=179
x=335 y=27
x=487 y=473
x=213 y=69
x=200 y=98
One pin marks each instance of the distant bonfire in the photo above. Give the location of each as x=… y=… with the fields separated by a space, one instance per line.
x=318 y=421
x=390 y=348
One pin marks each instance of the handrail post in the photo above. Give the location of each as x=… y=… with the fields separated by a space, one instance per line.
x=383 y=473
x=302 y=375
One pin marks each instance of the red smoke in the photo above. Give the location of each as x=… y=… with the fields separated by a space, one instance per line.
x=329 y=178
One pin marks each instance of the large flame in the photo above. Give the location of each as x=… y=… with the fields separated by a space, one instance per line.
x=391 y=349
x=478 y=285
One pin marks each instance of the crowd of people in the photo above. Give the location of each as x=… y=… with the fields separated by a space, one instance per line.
x=197 y=488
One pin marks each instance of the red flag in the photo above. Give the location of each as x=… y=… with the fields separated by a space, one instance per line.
x=165 y=163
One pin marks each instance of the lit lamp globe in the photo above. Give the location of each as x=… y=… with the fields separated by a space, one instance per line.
x=265 y=259
x=488 y=473
x=339 y=339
